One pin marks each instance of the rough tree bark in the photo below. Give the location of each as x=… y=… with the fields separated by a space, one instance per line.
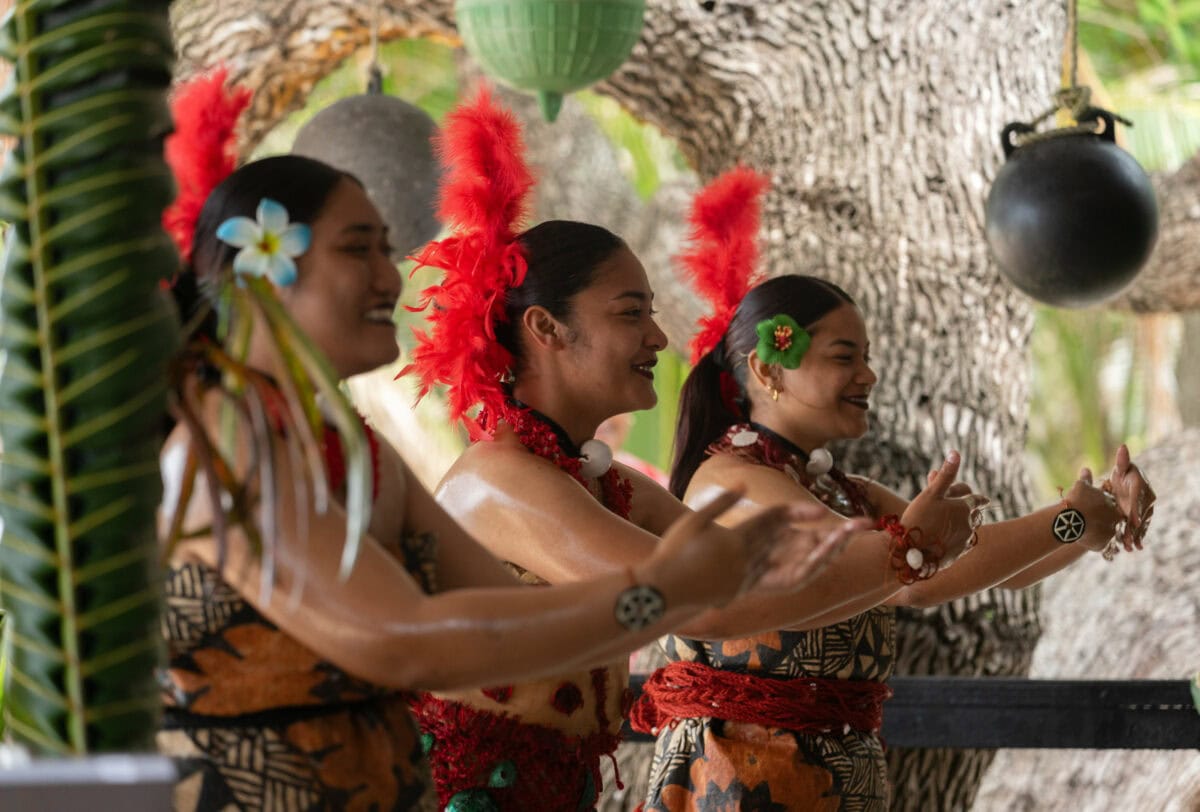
x=878 y=122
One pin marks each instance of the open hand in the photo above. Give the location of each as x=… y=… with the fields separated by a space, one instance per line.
x=802 y=540
x=1135 y=498
x=777 y=549
x=942 y=516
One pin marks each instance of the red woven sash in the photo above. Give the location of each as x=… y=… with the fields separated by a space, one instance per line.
x=689 y=690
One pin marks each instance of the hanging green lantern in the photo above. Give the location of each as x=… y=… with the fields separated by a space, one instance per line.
x=551 y=47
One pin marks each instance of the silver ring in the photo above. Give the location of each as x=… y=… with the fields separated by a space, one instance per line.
x=975 y=519
x=1111 y=549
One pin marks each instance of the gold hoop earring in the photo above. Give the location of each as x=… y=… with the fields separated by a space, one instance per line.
x=774 y=394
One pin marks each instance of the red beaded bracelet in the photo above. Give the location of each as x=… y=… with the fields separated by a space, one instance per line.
x=911 y=562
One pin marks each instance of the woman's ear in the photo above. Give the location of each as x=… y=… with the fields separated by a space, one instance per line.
x=542 y=329
x=766 y=375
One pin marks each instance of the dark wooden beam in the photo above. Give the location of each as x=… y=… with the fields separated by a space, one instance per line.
x=985 y=712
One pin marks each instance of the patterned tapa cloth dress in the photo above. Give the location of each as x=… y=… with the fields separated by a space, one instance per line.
x=256 y=721
x=708 y=764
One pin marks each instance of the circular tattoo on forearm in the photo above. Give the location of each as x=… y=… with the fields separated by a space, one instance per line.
x=639 y=606
x=1069 y=526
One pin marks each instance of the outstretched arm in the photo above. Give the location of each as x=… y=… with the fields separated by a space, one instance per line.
x=860 y=578
x=526 y=511
x=1018 y=553
x=376 y=624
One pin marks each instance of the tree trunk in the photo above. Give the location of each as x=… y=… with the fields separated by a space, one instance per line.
x=879 y=125
x=879 y=155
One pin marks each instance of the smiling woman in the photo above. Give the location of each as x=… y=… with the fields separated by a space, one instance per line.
x=583 y=282
x=292 y=659
x=347 y=301
x=783 y=369
x=552 y=331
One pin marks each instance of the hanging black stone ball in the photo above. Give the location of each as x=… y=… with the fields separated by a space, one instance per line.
x=385 y=143
x=1071 y=219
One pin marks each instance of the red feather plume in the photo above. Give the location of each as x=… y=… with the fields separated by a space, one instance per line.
x=201 y=151
x=484 y=198
x=722 y=260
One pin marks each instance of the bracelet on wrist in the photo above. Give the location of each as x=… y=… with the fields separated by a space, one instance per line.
x=640 y=605
x=912 y=560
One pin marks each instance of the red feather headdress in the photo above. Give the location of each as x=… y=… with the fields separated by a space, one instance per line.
x=201 y=151
x=722 y=260
x=484 y=198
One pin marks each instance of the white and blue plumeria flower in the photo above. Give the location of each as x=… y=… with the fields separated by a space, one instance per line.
x=269 y=244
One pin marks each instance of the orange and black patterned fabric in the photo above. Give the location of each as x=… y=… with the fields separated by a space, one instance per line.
x=711 y=765
x=708 y=764
x=256 y=721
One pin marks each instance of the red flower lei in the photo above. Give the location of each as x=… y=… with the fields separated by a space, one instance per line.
x=539 y=435
x=331 y=441
x=335 y=460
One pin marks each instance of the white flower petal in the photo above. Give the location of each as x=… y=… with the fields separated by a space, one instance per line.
x=239 y=232
x=295 y=240
x=251 y=262
x=272 y=216
x=282 y=270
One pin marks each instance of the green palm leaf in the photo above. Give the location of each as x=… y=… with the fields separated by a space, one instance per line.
x=85 y=337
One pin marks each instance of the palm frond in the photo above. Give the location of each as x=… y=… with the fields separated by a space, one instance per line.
x=86 y=333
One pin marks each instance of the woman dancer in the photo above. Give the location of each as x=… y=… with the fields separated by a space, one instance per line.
x=286 y=689
x=552 y=331
x=781 y=370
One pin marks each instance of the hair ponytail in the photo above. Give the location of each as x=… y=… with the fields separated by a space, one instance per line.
x=703 y=418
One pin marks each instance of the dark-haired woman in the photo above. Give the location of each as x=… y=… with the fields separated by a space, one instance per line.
x=789 y=375
x=296 y=697
x=552 y=331
x=583 y=342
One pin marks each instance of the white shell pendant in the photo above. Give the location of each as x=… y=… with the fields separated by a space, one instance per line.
x=820 y=461
x=914 y=558
x=597 y=458
x=744 y=438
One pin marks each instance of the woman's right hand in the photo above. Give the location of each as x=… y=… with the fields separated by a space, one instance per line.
x=1102 y=516
x=942 y=516
x=778 y=549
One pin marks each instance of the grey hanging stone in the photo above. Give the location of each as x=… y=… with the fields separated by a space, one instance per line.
x=385 y=143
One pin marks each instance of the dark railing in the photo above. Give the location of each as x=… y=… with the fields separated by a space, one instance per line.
x=991 y=712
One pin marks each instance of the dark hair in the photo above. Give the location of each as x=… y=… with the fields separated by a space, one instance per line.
x=703 y=415
x=302 y=185
x=562 y=257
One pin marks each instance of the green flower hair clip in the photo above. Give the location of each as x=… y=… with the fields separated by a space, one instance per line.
x=782 y=341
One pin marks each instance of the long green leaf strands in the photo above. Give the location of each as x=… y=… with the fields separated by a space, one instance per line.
x=354 y=442
x=85 y=337
x=237 y=459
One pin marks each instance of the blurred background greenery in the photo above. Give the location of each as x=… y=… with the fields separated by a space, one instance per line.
x=1099 y=377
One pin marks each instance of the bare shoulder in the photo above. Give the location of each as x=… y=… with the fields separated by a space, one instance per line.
x=501 y=463
x=503 y=473
x=725 y=470
x=764 y=486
